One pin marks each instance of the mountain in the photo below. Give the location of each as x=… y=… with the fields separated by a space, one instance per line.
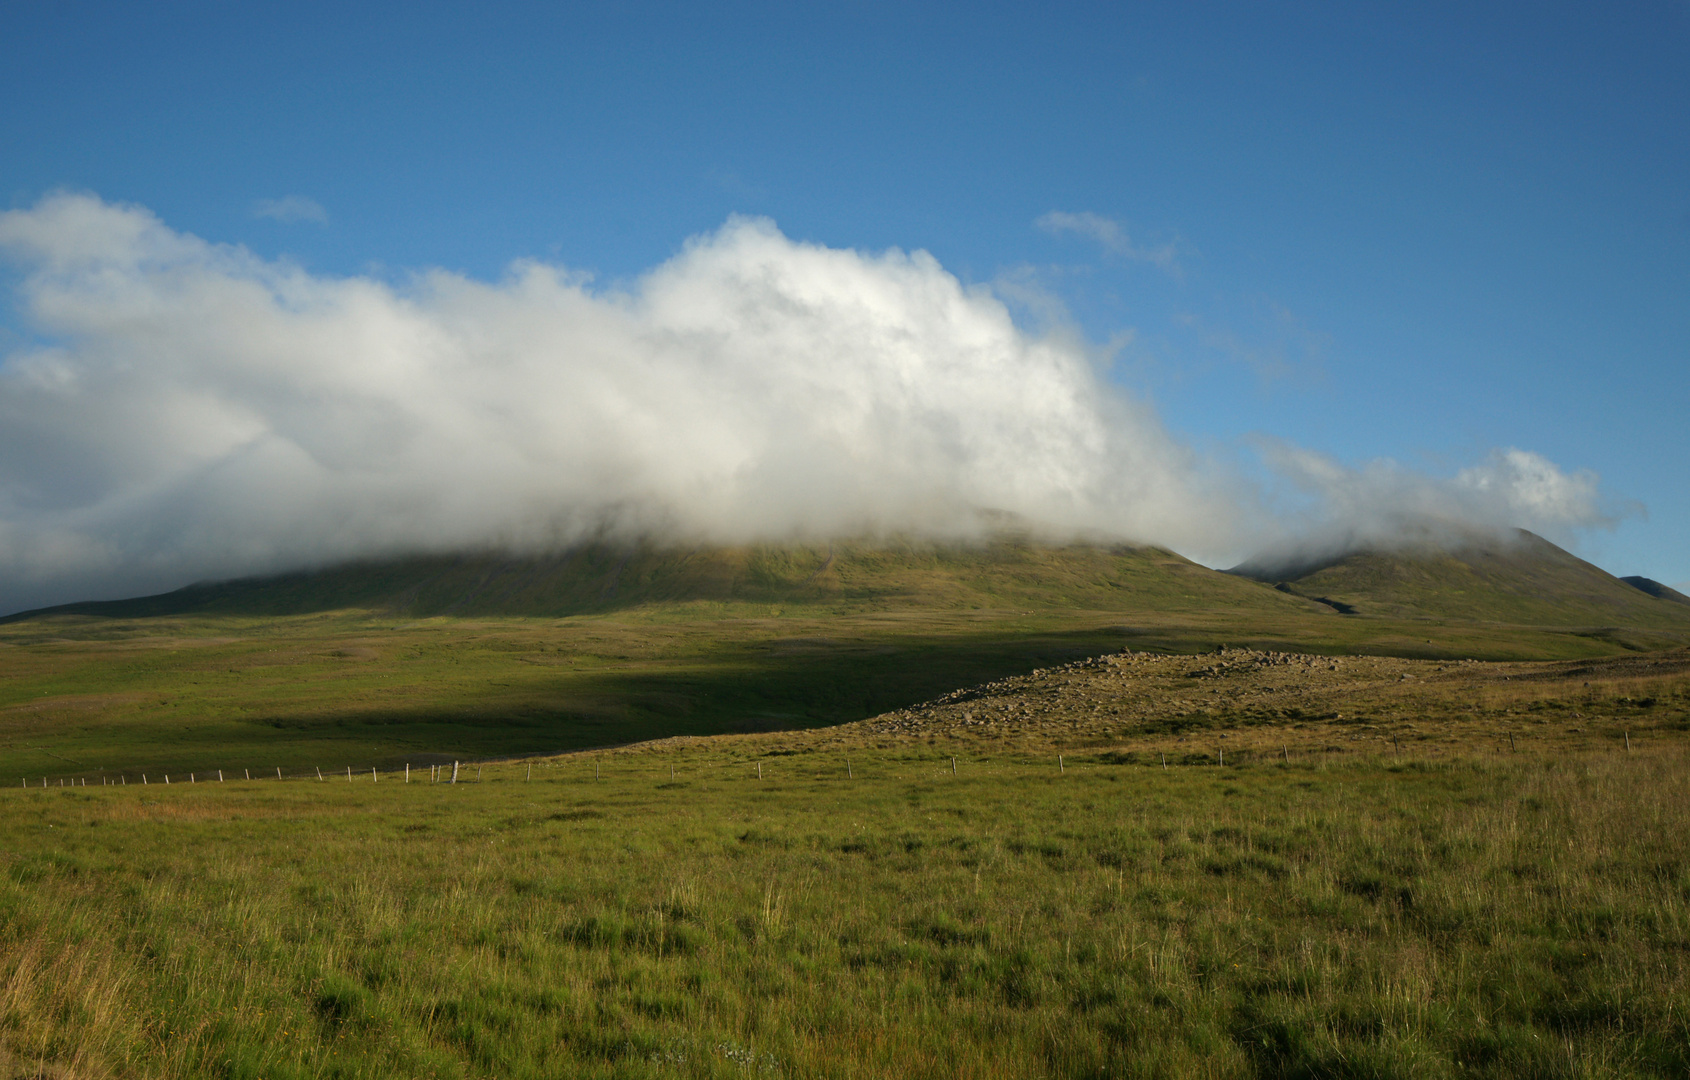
x=843 y=577
x=1519 y=578
x=1656 y=589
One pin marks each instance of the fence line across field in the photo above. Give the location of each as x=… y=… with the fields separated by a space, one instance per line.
x=754 y=767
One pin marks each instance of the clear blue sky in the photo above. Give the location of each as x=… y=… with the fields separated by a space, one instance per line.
x=1414 y=231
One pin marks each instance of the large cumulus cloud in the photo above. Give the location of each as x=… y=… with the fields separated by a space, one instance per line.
x=187 y=410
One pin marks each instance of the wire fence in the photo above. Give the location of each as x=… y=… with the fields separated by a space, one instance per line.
x=458 y=771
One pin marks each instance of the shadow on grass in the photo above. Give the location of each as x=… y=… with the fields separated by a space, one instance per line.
x=742 y=690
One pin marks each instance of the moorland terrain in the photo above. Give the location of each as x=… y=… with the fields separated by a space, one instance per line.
x=489 y=656
x=999 y=812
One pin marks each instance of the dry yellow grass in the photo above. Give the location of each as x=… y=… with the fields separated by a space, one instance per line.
x=1261 y=704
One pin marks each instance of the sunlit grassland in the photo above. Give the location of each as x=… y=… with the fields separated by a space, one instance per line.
x=84 y=696
x=1346 y=915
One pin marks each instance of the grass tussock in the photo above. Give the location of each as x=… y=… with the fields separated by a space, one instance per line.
x=1472 y=917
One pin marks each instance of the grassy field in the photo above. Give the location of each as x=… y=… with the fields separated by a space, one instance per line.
x=1253 y=705
x=668 y=913
x=84 y=696
x=891 y=821
x=491 y=656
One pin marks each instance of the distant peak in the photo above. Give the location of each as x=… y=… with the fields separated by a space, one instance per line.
x=1420 y=539
x=1656 y=589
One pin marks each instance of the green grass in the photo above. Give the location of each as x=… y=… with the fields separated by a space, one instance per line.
x=1526 y=581
x=86 y=696
x=678 y=916
x=837 y=579
x=1476 y=918
x=489 y=656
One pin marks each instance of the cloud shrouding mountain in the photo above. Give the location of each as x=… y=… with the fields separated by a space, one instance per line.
x=195 y=412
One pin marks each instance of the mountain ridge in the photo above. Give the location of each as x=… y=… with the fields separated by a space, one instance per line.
x=1656 y=589
x=603 y=577
x=1518 y=578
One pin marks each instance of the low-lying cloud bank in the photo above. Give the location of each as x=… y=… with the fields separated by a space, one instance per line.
x=1385 y=506
x=192 y=412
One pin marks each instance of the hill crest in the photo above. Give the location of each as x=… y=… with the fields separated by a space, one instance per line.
x=1656 y=589
x=839 y=577
x=1518 y=578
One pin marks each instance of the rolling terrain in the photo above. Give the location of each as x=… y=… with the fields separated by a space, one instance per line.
x=489 y=656
x=1240 y=864
x=1010 y=813
x=1252 y=706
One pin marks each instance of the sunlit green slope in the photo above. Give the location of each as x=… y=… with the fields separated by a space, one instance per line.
x=487 y=655
x=851 y=577
x=1520 y=580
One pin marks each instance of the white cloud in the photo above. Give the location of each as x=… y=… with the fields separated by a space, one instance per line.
x=291 y=208
x=206 y=412
x=1382 y=504
x=201 y=413
x=1527 y=487
x=1109 y=234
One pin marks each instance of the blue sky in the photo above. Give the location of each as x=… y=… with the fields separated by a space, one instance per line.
x=1418 y=232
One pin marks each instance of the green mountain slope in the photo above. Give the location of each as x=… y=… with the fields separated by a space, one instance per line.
x=1522 y=580
x=842 y=578
x=604 y=645
x=1656 y=589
